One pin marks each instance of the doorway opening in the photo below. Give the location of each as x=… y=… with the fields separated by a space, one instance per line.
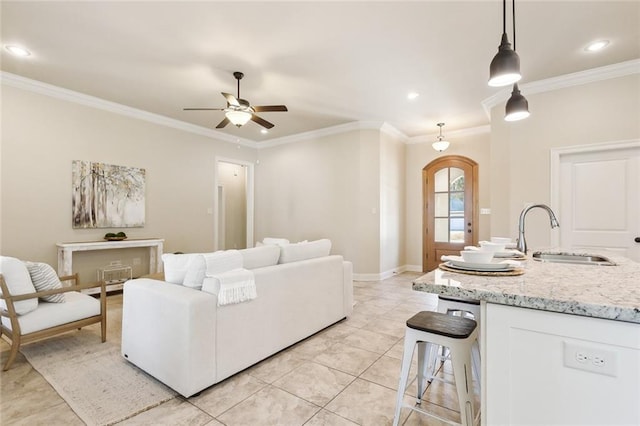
x=233 y=218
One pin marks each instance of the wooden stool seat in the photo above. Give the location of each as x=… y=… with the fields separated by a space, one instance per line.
x=444 y=325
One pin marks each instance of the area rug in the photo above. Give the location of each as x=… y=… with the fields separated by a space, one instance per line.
x=92 y=377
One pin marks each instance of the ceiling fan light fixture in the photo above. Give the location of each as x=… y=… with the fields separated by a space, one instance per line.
x=517 y=107
x=440 y=145
x=239 y=118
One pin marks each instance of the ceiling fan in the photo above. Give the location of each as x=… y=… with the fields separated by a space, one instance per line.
x=239 y=111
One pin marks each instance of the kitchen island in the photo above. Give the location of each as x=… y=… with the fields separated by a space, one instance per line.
x=560 y=343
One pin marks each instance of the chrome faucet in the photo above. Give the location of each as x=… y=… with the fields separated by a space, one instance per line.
x=522 y=243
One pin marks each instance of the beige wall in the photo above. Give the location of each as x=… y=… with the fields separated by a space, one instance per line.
x=592 y=113
x=392 y=203
x=327 y=187
x=473 y=146
x=42 y=135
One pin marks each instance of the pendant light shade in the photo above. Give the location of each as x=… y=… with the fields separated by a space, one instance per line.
x=239 y=118
x=440 y=145
x=517 y=106
x=505 y=66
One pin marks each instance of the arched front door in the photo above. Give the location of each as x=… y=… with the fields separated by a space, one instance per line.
x=450 y=216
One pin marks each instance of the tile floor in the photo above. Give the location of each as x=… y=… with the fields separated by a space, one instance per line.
x=345 y=375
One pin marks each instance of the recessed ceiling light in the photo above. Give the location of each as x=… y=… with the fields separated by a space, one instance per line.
x=596 y=45
x=264 y=131
x=413 y=95
x=17 y=50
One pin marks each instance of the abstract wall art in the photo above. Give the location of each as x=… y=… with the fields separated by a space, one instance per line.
x=107 y=196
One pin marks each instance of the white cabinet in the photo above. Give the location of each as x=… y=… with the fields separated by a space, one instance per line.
x=546 y=368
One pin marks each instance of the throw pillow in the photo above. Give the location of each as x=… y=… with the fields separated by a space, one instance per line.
x=175 y=267
x=18 y=281
x=304 y=250
x=43 y=278
x=259 y=257
x=196 y=270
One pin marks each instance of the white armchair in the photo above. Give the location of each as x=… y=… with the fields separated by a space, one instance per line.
x=25 y=317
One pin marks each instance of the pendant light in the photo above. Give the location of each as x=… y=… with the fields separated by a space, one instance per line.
x=517 y=107
x=440 y=145
x=505 y=66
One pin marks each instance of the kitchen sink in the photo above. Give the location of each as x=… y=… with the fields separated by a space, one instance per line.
x=573 y=258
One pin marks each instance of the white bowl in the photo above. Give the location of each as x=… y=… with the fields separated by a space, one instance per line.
x=476 y=256
x=501 y=240
x=492 y=247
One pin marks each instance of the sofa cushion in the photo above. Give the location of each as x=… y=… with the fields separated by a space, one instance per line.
x=44 y=278
x=304 y=250
x=259 y=257
x=18 y=281
x=222 y=261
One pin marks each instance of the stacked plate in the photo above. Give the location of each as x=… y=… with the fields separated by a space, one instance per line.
x=496 y=265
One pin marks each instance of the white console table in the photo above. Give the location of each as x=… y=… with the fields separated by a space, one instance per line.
x=65 y=252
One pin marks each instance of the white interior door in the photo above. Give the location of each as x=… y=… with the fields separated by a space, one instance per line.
x=599 y=200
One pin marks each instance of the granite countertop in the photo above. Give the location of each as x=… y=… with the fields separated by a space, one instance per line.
x=609 y=292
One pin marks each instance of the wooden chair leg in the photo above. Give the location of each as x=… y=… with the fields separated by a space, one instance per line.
x=15 y=345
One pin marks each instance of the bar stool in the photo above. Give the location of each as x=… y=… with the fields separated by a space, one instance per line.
x=426 y=329
x=460 y=306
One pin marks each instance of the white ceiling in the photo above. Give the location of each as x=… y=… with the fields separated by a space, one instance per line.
x=330 y=62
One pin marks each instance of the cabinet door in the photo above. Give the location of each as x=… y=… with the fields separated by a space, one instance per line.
x=529 y=380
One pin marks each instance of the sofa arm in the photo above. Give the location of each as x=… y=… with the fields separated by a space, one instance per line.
x=169 y=331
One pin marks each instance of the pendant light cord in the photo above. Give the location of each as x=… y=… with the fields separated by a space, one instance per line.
x=504 y=16
x=513 y=15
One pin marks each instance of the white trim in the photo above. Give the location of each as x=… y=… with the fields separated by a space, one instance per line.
x=387 y=274
x=250 y=198
x=449 y=135
x=563 y=81
x=50 y=90
x=555 y=155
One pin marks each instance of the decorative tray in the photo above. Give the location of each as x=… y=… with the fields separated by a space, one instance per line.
x=115 y=238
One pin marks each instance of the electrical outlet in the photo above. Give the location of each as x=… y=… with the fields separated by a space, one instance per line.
x=592 y=358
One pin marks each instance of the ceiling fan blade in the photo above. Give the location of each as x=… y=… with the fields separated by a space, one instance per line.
x=231 y=100
x=203 y=109
x=265 y=108
x=222 y=123
x=261 y=121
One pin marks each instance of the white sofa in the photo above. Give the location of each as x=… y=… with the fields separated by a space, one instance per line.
x=181 y=337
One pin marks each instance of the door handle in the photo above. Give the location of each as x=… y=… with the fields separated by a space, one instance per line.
x=637 y=240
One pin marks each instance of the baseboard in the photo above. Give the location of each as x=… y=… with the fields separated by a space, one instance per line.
x=387 y=274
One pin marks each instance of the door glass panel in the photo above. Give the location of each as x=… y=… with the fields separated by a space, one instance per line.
x=442 y=180
x=442 y=230
x=442 y=205
x=456 y=179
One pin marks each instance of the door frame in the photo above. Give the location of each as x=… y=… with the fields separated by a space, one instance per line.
x=555 y=157
x=249 y=167
x=475 y=211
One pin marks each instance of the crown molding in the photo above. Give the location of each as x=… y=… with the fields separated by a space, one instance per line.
x=334 y=130
x=50 y=90
x=607 y=72
x=450 y=134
